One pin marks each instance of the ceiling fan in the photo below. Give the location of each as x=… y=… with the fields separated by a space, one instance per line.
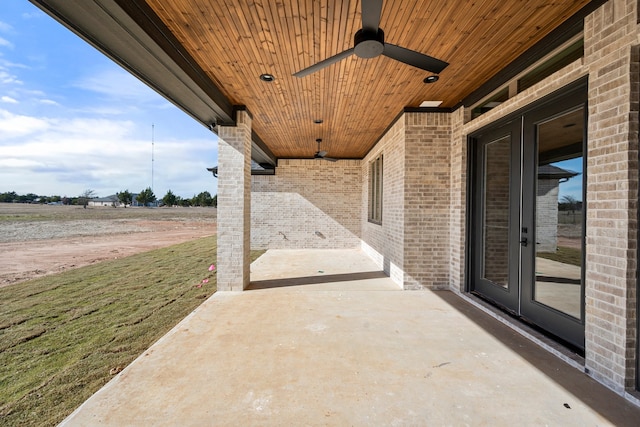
x=369 y=42
x=322 y=154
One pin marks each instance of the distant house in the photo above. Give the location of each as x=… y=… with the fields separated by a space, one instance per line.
x=111 y=201
x=549 y=178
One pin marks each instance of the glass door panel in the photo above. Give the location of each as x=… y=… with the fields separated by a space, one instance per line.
x=527 y=217
x=495 y=227
x=496 y=215
x=558 y=250
x=552 y=294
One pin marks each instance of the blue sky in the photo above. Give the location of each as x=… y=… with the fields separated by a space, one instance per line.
x=572 y=187
x=72 y=120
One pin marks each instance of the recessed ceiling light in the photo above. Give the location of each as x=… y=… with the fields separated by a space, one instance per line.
x=431 y=79
x=431 y=104
x=267 y=77
x=318 y=121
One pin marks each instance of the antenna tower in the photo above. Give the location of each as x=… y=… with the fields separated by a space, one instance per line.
x=152 y=147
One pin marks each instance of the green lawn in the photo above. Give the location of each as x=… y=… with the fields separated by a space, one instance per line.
x=64 y=336
x=564 y=255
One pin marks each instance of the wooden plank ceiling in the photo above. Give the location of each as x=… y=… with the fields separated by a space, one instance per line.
x=235 y=41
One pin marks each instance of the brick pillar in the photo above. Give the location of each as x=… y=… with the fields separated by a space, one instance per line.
x=612 y=194
x=234 y=204
x=458 y=201
x=427 y=168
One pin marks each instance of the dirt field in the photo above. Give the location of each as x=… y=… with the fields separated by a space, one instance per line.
x=36 y=240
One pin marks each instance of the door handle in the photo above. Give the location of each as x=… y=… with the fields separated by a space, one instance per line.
x=524 y=241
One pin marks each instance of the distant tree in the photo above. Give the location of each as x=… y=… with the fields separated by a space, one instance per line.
x=125 y=197
x=85 y=196
x=571 y=205
x=146 y=196
x=202 y=199
x=170 y=199
x=8 y=197
x=184 y=202
x=214 y=202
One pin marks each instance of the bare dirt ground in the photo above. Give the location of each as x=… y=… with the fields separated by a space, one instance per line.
x=38 y=240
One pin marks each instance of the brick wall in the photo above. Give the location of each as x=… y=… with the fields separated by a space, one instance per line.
x=427 y=172
x=412 y=243
x=307 y=204
x=496 y=211
x=547 y=215
x=384 y=242
x=458 y=202
x=611 y=55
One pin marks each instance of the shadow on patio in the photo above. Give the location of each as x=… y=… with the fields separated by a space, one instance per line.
x=342 y=348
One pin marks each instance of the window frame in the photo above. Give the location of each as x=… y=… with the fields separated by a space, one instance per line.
x=376 y=196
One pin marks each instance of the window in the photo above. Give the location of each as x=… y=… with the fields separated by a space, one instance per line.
x=566 y=54
x=375 y=191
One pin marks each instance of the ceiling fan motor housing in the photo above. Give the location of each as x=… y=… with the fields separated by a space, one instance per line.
x=368 y=44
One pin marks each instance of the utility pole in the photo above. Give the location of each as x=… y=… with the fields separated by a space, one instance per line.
x=152 y=147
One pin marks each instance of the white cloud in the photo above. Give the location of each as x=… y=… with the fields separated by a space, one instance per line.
x=32 y=15
x=8 y=100
x=6 y=43
x=8 y=78
x=5 y=28
x=15 y=125
x=117 y=84
x=62 y=140
x=71 y=155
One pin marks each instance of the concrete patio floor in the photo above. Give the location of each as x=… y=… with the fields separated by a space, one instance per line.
x=324 y=338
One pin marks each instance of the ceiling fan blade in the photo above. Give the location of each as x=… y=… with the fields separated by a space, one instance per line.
x=331 y=159
x=321 y=153
x=416 y=59
x=371 y=11
x=325 y=63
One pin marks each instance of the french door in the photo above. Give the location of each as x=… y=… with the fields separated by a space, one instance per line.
x=527 y=224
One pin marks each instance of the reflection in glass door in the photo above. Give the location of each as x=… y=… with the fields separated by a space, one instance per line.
x=495 y=218
x=558 y=258
x=552 y=268
x=498 y=201
x=527 y=218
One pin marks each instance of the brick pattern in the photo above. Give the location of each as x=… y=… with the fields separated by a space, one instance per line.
x=385 y=242
x=556 y=81
x=458 y=202
x=496 y=211
x=612 y=193
x=234 y=204
x=307 y=204
x=547 y=215
x=412 y=243
x=426 y=200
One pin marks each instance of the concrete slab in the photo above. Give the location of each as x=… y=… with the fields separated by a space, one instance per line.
x=347 y=356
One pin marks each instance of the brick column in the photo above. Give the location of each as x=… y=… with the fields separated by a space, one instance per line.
x=612 y=194
x=427 y=192
x=458 y=201
x=234 y=204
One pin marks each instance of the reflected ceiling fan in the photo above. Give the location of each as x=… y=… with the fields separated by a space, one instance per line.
x=368 y=42
x=322 y=154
